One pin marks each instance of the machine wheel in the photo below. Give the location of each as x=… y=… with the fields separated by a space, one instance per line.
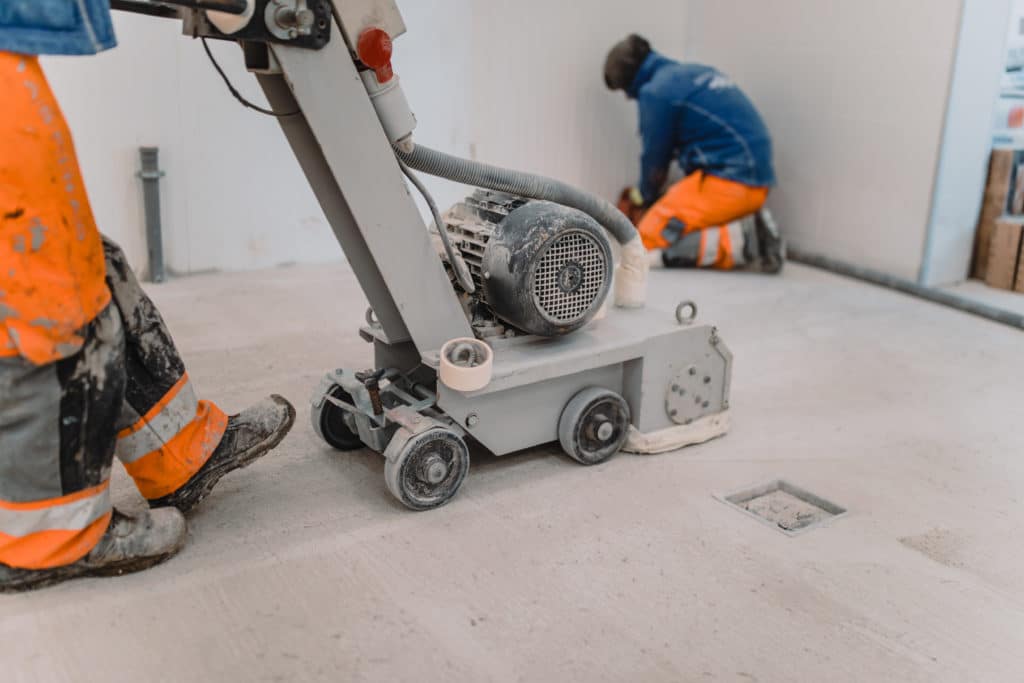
x=330 y=423
x=594 y=425
x=429 y=469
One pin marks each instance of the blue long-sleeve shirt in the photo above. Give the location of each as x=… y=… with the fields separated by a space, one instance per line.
x=55 y=27
x=695 y=114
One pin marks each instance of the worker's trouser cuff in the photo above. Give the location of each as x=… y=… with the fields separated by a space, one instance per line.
x=163 y=449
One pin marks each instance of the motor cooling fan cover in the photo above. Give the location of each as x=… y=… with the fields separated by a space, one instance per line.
x=547 y=269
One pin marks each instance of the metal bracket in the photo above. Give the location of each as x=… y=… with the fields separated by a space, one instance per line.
x=311 y=31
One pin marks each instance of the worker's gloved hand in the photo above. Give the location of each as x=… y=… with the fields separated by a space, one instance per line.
x=631 y=203
x=636 y=196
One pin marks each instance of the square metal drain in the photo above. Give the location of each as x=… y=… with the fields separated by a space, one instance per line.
x=788 y=508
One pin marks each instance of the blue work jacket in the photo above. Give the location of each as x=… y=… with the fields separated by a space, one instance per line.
x=56 y=27
x=695 y=114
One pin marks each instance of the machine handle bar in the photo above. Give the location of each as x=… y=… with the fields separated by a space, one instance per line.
x=161 y=8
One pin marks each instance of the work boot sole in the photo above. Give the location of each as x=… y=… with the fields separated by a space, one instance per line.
x=194 y=492
x=43 y=578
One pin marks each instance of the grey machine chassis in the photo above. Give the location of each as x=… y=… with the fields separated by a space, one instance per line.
x=633 y=374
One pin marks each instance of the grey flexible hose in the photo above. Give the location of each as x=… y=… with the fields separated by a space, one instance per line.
x=475 y=173
x=458 y=265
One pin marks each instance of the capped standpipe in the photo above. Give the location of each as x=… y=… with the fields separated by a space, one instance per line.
x=374 y=49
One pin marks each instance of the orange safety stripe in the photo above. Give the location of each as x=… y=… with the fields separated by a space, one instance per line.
x=166 y=469
x=43 y=542
x=52 y=548
x=51 y=502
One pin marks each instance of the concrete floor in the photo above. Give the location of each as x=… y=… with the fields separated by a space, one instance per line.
x=302 y=567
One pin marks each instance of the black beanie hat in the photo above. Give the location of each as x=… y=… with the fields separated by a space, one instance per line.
x=624 y=61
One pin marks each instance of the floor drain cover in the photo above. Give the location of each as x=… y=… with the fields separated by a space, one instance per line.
x=786 y=507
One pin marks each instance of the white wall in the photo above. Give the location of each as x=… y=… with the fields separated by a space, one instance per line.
x=854 y=92
x=540 y=101
x=233 y=196
x=517 y=84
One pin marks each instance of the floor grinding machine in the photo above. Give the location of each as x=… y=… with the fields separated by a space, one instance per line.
x=492 y=325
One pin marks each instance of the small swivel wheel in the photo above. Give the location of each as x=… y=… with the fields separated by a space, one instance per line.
x=429 y=469
x=334 y=425
x=594 y=425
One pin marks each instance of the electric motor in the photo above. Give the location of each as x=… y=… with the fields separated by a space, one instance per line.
x=540 y=267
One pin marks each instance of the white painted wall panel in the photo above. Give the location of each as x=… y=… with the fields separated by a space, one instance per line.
x=855 y=94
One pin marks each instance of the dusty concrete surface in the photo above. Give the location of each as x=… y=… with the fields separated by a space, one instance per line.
x=786 y=510
x=302 y=567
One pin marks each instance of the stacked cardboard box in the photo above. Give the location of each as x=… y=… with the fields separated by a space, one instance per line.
x=1005 y=263
x=998 y=242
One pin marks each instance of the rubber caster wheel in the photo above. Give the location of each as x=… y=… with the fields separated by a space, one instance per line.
x=429 y=470
x=332 y=423
x=594 y=425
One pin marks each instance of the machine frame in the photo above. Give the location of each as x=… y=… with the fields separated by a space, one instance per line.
x=645 y=356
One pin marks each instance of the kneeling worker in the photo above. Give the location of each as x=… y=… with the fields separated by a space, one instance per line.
x=712 y=217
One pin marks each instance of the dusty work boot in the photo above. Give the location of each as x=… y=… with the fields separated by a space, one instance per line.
x=130 y=544
x=770 y=245
x=250 y=434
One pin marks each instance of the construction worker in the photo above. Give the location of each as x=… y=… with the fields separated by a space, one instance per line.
x=698 y=116
x=87 y=366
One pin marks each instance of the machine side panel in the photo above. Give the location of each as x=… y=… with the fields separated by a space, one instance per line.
x=338 y=110
x=684 y=377
x=625 y=335
x=526 y=416
x=675 y=376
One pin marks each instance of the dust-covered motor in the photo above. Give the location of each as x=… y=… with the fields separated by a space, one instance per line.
x=538 y=267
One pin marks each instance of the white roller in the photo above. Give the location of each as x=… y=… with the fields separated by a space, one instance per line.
x=466 y=378
x=228 y=23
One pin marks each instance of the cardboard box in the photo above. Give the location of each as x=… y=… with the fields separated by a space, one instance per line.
x=1004 y=194
x=1004 y=255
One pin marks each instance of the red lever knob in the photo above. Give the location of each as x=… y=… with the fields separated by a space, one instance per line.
x=374 y=50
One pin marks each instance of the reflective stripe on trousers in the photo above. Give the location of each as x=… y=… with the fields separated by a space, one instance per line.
x=722 y=247
x=54 y=532
x=161 y=424
x=165 y=434
x=166 y=446
x=710 y=241
x=57 y=425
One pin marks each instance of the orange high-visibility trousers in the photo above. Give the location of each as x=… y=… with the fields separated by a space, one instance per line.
x=52 y=275
x=87 y=366
x=704 y=202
